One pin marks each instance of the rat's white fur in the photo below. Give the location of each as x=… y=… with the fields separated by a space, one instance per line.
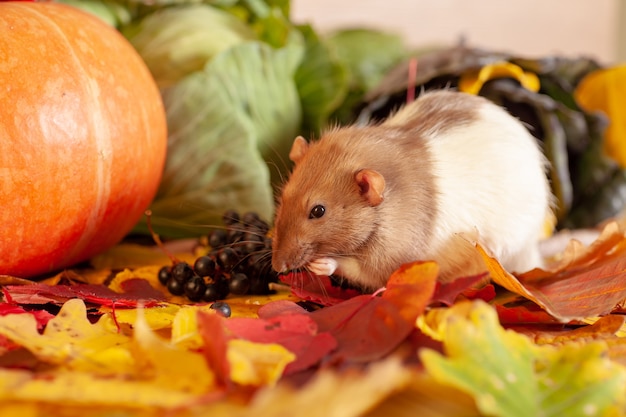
x=505 y=216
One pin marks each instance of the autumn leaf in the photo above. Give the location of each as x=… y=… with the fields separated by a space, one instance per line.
x=135 y=291
x=610 y=330
x=71 y=341
x=329 y=393
x=605 y=90
x=61 y=391
x=257 y=364
x=317 y=288
x=215 y=345
x=165 y=363
x=589 y=284
x=158 y=317
x=523 y=314
x=509 y=376
x=411 y=287
x=447 y=293
x=298 y=333
x=41 y=316
x=369 y=327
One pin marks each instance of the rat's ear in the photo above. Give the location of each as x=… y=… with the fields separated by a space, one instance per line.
x=298 y=149
x=371 y=185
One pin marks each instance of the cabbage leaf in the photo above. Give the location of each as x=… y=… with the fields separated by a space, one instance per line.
x=178 y=41
x=227 y=125
x=322 y=80
x=368 y=55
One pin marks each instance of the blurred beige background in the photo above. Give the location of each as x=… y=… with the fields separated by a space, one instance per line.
x=531 y=28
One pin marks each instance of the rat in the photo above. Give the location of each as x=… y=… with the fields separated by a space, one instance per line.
x=447 y=169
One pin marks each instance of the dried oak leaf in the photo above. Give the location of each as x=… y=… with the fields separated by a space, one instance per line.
x=508 y=375
x=588 y=282
x=71 y=341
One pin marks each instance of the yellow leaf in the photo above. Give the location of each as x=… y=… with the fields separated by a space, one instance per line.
x=167 y=364
x=329 y=393
x=472 y=81
x=149 y=273
x=82 y=388
x=605 y=90
x=185 y=326
x=71 y=340
x=510 y=376
x=257 y=363
x=433 y=323
x=158 y=317
x=600 y=324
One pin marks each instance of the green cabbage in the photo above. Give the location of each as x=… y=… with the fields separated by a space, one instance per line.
x=322 y=80
x=368 y=55
x=225 y=123
x=177 y=41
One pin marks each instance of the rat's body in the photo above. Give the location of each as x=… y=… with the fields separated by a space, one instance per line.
x=445 y=165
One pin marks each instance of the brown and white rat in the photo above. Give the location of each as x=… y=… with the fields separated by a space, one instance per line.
x=450 y=166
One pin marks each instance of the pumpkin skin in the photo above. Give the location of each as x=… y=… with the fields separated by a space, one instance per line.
x=82 y=137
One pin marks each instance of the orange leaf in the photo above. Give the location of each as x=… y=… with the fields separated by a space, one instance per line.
x=411 y=287
x=211 y=328
x=589 y=283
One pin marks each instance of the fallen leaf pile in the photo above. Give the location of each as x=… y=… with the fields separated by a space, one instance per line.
x=110 y=340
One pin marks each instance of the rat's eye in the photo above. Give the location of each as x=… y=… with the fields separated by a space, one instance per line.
x=317 y=212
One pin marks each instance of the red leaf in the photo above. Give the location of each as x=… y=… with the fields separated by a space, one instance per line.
x=316 y=288
x=211 y=328
x=588 y=292
x=41 y=316
x=524 y=314
x=588 y=282
x=447 y=293
x=297 y=333
x=279 y=307
x=486 y=293
x=138 y=291
x=366 y=327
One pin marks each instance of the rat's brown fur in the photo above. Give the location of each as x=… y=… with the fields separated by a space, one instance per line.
x=370 y=238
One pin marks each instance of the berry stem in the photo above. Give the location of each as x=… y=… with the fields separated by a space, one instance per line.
x=157 y=239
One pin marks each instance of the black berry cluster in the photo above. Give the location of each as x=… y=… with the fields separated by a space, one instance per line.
x=238 y=263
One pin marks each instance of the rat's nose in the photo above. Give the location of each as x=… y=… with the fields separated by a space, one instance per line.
x=279 y=265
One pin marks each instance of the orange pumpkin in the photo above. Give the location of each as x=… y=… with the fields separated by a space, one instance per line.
x=82 y=137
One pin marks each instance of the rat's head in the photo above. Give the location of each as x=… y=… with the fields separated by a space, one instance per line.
x=328 y=208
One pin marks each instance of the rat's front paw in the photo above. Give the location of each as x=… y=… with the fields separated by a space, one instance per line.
x=322 y=266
